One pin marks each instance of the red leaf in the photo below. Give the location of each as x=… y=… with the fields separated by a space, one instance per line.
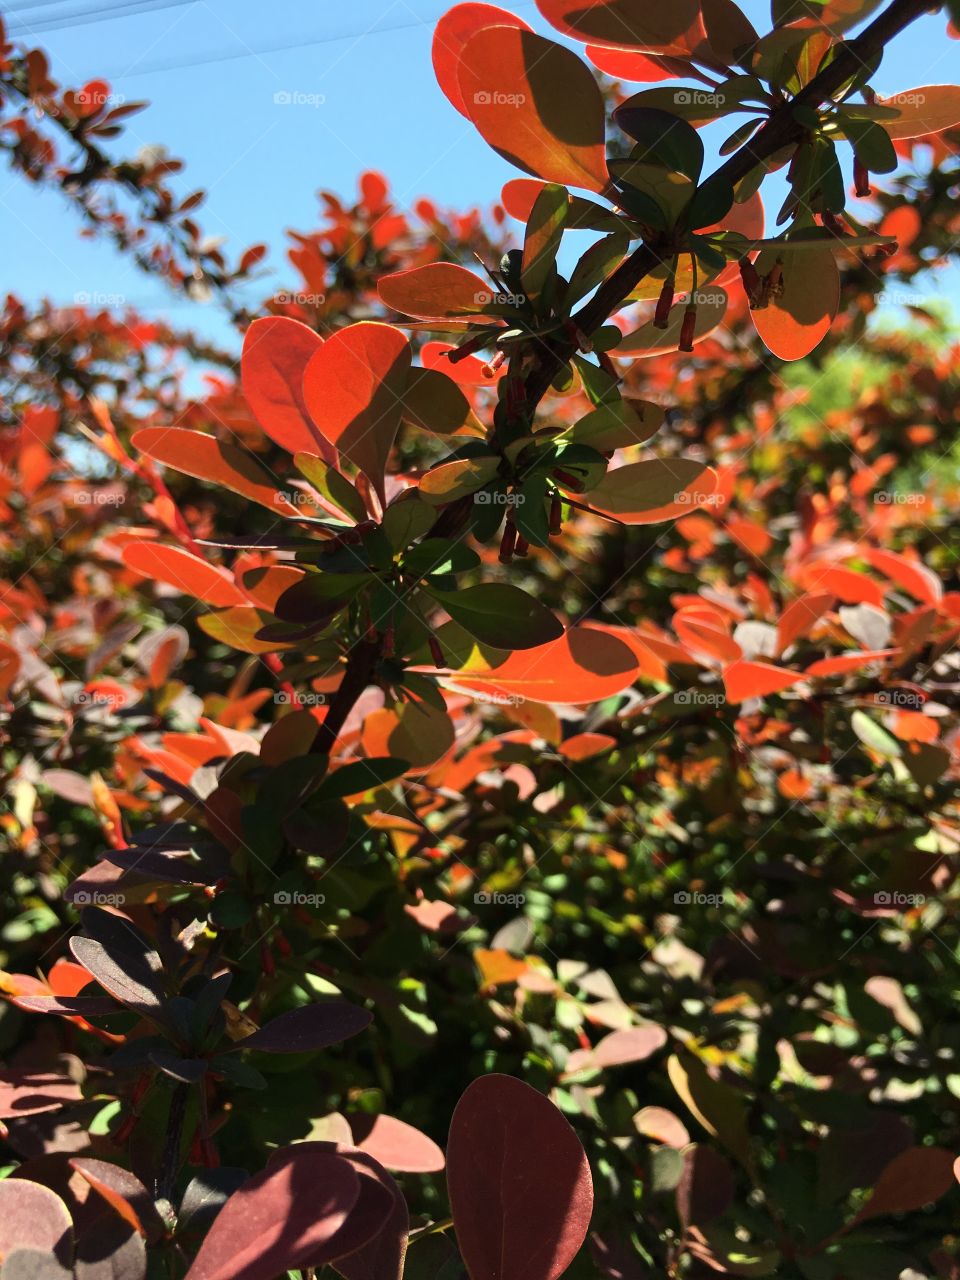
x=537 y=104
x=435 y=291
x=844 y=662
x=673 y=28
x=276 y=351
x=584 y=665
x=353 y=388
x=395 y=1144
x=207 y=458
x=519 y=1182
x=280 y=1218
x=743 y=680
x=453 y=31
x=33 y=1217
x=185 y=571
x=913 y=576
x=912 y=1179
x=796 y=321
x=799 y=617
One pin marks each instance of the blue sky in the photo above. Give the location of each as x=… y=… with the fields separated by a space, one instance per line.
x=364 y=97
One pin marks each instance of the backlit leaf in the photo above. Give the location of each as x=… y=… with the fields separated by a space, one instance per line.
x=276 y=351
x=206 y=458
x=353 y=387
x=185 y=571
x=451 y=34
x=654 y=490
x=537 y=104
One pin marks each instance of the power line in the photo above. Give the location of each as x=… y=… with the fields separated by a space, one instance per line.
x=84 y=17
x=175 y=64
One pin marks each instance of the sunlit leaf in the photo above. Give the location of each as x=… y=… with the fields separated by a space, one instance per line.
x=537 y=104
x=519 y=1182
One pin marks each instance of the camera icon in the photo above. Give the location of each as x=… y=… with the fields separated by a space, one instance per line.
x=484 y=497
x=883 y=899
x=682 y=899
x=482 y=98
x=683 y=97
x=281 y=898
x=482 y=899
x=282 y=98
x=82 y=898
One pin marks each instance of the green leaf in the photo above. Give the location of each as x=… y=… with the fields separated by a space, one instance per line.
x=319 y=595
x=871 y=144
x=331 y=484
x=711 y=202
x=452 y=480
x=595 y=265
x=542 y=240
x=502 y=615
x=664 y=139
x=361 y=775
x=407 y=519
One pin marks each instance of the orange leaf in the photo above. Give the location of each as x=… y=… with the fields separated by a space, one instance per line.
x=451 y=34
x=931 y=108
x=207 y=458
x=798 y=319
x=799 y=617
x=537 y=104
x=185 y=571
x=276 y=351
x=353 y=387
x=673 y=28
x=913 y=576
x=585 y=664
x=435 y=291
x=743 y=680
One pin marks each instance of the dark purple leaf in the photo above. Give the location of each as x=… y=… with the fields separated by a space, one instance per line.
x=121 y=959
x=27 y=1093
x=124 y=1193
x=280 y=1218
x=315 y=1026
x=706 y=1186
x=34 y=1217
x=519 y=1182
x=69 y=1006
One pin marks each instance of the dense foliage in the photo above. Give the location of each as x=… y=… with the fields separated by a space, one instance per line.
x=481 y=778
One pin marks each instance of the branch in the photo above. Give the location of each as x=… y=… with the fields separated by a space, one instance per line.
x=779 y=131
